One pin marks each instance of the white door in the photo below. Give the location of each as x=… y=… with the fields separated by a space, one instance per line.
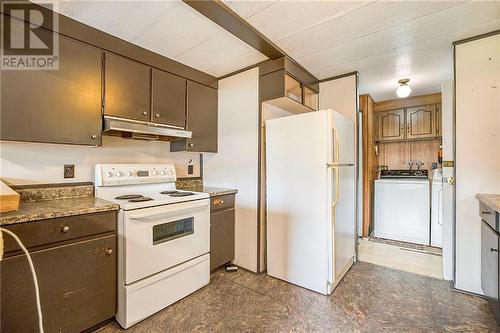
x=297 y=199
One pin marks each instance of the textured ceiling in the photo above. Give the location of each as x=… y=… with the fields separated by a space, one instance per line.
x=383 y=40
x=170 y=28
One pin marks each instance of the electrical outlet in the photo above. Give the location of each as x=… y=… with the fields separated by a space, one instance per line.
x=190 y=166
x=69 y=171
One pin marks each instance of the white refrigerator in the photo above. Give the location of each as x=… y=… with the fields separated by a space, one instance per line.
x=310 y=194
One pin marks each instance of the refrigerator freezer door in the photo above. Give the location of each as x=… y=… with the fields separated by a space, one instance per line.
x=297 y=199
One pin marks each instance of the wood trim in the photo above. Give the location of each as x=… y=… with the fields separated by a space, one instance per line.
x=223 y=16
x=402 y=103
x=74 y=29
x=339 y=76
x=473 y=38
x=370 y=161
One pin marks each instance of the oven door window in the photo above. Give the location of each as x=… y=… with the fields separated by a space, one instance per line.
x=172 y=230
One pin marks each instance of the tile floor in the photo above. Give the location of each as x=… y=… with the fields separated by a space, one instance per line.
x=370 y=298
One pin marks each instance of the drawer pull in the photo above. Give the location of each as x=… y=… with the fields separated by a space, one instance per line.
x=485 y=212
x=65 y=229
x=109 y=252
x=218 y=202
x=494 y=250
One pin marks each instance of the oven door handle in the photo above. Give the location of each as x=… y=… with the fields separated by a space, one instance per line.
x=168 y=209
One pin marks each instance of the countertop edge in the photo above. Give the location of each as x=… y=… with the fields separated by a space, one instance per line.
x=490 y=200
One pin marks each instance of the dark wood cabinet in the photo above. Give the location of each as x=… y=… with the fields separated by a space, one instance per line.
x=421 y=122
x=201 y=120
x=222 y=226
x=490 y=258
x=169 y=99
x=127 y=92
x=391 y=125
x=54 y=106
x=71 y=302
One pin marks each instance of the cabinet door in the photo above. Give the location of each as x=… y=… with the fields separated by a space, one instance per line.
x=201 y=120
x=71 y=302
x=221 y=238
x=55 y=106
x=391 y=125
x=439 y=125
x=420 y=122
x=489 y=266
x=169 y=99
x=127 y=88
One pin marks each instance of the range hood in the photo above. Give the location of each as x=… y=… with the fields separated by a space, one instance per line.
x=142 y=130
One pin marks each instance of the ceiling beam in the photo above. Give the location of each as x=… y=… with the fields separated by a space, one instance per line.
x=219 y=13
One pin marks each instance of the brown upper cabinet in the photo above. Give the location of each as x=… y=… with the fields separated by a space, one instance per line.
x=127 y=91
x=421 y=122
x=391 y=125
x=201 y=120
x=413 y=123
x=54 y=106
x=169 y=99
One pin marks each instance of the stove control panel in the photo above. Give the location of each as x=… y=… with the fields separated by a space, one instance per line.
x=129 y=174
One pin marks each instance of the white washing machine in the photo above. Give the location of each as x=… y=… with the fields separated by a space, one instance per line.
x=402 y=210
x=437 y=208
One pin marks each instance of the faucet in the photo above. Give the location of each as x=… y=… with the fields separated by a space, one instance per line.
x=419 y=164
x=410 y=164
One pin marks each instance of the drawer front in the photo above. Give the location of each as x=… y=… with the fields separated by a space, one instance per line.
x=39 y=233
x=221 y=238
x=489 y=216
x=70 y=302
x=222 y=202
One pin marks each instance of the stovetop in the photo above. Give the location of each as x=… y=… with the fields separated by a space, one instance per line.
x=143 y=196
x=413 y=174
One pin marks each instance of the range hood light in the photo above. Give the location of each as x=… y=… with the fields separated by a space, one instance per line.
x=404 y=89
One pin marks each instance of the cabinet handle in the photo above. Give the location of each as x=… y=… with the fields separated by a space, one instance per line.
x=65 y=229
x=218 y=202
x=485 y=212
x=109 y=252
x=191 y=145
x=144 y=113
x=157 y=115
x=93 y=136
x=494 y=250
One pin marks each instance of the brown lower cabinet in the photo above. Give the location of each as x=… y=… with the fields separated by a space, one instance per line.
x=77 y=281
x=221 y=230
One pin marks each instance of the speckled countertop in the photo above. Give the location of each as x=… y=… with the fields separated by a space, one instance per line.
x=196 y=185
x=39 y=203
x=490 y=200
x=215 y=191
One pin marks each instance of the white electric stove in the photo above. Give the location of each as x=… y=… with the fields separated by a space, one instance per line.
x=164 y=237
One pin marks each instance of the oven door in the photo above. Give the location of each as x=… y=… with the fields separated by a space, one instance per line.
x=159 y=238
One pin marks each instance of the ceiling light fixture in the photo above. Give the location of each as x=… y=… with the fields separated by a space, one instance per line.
x=404 y=89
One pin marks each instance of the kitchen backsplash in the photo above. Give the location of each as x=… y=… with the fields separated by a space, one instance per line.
x=31 y=163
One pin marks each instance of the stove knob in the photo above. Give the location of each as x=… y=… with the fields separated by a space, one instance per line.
x=154 y=173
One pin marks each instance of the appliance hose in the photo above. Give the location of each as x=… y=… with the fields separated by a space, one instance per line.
x=33 y=273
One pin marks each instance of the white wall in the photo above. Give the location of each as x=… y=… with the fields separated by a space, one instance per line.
x=235 y=164
x=477 y=149
x=448 y=126
x=30 y=163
